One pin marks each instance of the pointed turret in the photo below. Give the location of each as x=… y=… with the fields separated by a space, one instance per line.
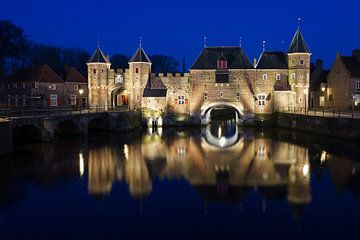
x=98 y=57
x=140 y=56
x=298 y=44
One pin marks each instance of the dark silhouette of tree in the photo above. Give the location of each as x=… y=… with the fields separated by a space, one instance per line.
x=76 y=58
x=164 y=64
x=119 y=61
x=13 y=47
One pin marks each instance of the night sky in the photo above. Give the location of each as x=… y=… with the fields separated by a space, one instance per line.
x=170 y=27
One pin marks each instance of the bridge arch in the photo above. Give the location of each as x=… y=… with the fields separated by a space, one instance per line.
x=26 y=133
x=208 y=108
x=97 y=123
x=68 y=127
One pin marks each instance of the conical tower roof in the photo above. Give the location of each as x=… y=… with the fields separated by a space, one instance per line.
x=298 y=44
x=140 y=56
x=98 y=57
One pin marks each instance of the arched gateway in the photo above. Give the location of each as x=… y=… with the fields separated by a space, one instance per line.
x=206 y=110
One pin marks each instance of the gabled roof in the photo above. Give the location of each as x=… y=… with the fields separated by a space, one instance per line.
x=37 y=73
x=140 y=56
x=298 y=44
x=353 y=65
x=272 y=60
x=70 y=74
x=322 y=78
x=98 y=57
x=155 y=87
x=235 y=56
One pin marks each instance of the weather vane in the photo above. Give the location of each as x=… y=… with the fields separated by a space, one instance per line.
x=264 y=44
x=299 y=21
x=240 y=41
x=205 y=41
x=140 y=41
x=98 y=42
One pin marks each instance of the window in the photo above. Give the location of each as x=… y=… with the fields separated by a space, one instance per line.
x=261 y=99
x=265 y=77
x=23 y=85
x=76 y=87
x=301 y=61
x=357 y=85
x=300 y=99
x=73 y=99
x=205 y=96
x=238 y=96
x=222 y=64
x=278 y=77
x=301 y=76
x=15 y=85
x=53 y=100
x=293 y=76
x=36 y=85
x=322 y=101
x=221 y=94
x=136 y=70
x=24 y=100
x=181 y=100
x=94 y=71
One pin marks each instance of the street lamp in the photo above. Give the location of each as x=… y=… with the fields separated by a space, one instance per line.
x=81 y=91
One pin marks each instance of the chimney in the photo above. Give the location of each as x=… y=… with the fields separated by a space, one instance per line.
x=356 y=54
x=319 y=64
x=255 y=62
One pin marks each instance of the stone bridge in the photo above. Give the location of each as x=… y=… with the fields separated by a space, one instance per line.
x=46 y=128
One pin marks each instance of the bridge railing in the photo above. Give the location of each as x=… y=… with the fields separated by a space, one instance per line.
x=56 y=111
x=322 y=112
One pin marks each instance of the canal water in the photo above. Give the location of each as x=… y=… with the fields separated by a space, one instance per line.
x=219 y=182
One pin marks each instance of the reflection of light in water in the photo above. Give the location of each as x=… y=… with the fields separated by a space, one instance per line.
x=219 y=131
x=160 y=121
x=181 y=151
x=222 y=141
x=126 y=151
x=306 y=170
x=81 y=164
x=160 y=131
x=323 y=156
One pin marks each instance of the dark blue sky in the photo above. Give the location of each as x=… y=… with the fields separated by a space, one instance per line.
x=169 y=26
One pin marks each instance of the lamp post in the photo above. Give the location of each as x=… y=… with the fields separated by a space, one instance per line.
x=352 y=105
x=81 y=92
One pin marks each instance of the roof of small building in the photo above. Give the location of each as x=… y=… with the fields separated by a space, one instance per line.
x=235 y=56
x=140 y=56
x=98 y=57
x=353 y=65
x=36 y=73
x=298 y=44
x=272 y=60
x=70 y=74
x=322 y=78
x=155 y=87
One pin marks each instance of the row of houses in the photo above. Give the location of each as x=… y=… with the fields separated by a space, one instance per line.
x=339 y=87
x=40 y=86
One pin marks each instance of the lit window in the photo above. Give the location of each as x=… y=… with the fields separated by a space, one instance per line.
x=261 y=99
x=53 y=100
x=322 y=101
x=278 y=77
x=293 y=76
x=181 y=100
x=357 y=85
x=52 y=87
x=265 y=77
x=73 y=99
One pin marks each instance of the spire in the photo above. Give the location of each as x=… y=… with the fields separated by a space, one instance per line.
x=98 y=56
x=298 y=44
x=140 y=56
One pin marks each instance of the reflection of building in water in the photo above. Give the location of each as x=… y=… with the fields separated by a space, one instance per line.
x=103 y=169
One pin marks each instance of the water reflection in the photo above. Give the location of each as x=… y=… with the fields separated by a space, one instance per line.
x=222 y=162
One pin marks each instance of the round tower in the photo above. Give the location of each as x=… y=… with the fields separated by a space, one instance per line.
x=139 y=73
x=98 y=70
x=299 y=70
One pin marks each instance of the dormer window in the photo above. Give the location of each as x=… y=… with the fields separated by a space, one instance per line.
x=222 y=62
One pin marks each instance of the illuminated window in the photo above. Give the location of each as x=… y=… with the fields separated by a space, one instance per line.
x=261 y=99
x=181 y=100
x=357 y=85
x=265 y=77
x=278 y=77
x=53 y=100
x=322 y=101
x=293 y=76
x=73 y=99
